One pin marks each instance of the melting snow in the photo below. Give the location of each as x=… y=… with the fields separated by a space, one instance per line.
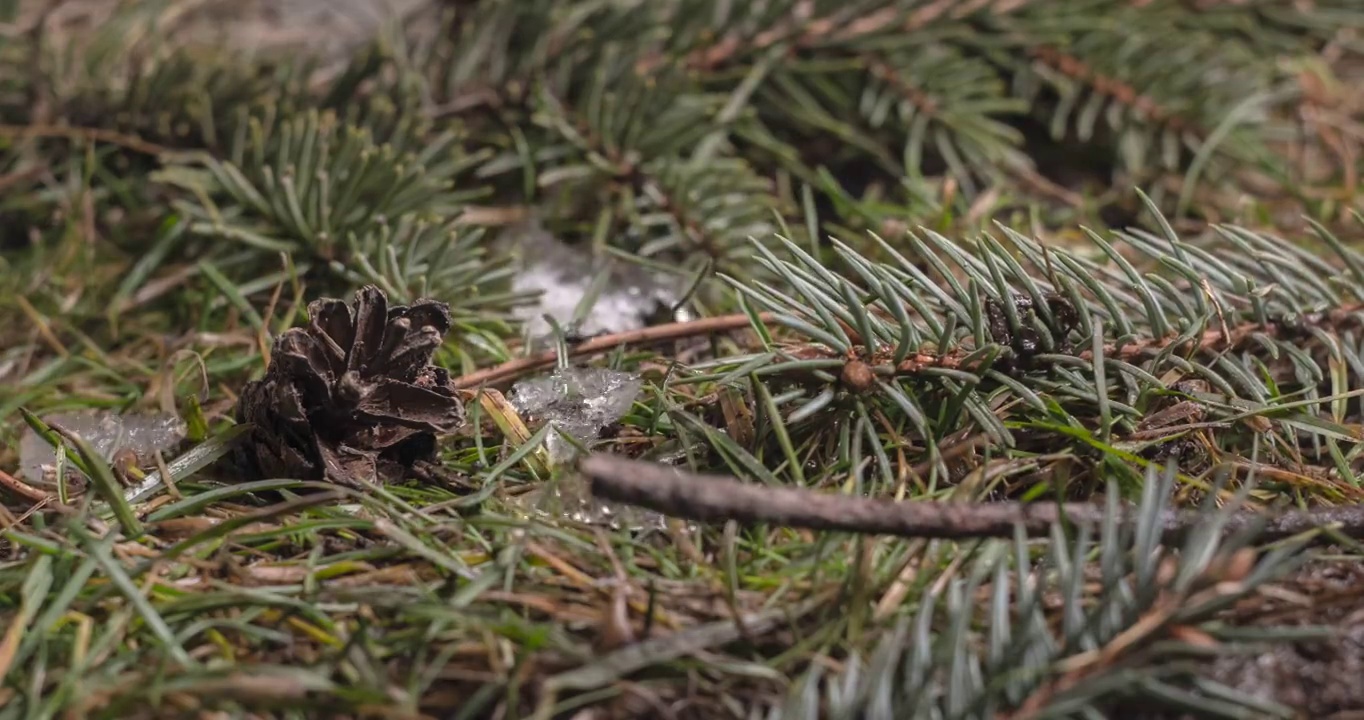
x=107 y=433
x=563 y=276
x=580 y=402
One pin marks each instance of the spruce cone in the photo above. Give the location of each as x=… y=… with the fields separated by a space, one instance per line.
x=352 y=397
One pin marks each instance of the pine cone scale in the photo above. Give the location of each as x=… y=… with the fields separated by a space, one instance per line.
x=371 y=320
x=409 y=405
x=333 y=318
x=331 y=326
x=414 y=353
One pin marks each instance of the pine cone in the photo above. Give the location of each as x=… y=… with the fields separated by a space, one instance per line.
x=351 y=398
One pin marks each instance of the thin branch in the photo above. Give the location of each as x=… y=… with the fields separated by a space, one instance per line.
x=23 y=489
x=605 y=343
x=9 y=180
x=671 y=491
x=804 y=31
x=129 y=142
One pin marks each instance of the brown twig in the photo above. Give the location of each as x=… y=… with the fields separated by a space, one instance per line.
x=802 y=30
x=79 y=133
x=605 y=343
x=23 y=489
x=671 y=491
x=10 y=180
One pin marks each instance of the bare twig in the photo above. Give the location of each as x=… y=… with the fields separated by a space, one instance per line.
x=9 y=180
x=672 y=491
x=23 y=489
x=129 y=142
x=606 y=343
x=802 y=30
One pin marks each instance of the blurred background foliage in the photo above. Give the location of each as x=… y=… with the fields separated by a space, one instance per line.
x=674 y=131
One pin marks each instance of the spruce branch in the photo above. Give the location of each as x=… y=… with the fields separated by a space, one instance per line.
x=1119 y=91
x=1211 y=342
x=365 y=211
x=974 y=322
x=950 y=105
x=632 y=152
x=1200 y=97
x=1015 y=634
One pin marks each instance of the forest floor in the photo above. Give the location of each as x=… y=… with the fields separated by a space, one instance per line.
x=407 y=603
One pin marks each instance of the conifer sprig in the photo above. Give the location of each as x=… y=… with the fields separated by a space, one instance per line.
x=1016 y=634
x=1017 y=340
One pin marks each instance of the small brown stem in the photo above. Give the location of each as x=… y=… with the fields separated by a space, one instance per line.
x=803 y=30
x=13 y=484
x=129 y=142
x=10 y=180
x=709 y=498
x=605 y=343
